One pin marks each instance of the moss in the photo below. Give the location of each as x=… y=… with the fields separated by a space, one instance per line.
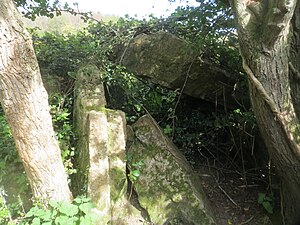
x=118 y=184
x=96 y=108
x=295 y=130
x=165 y=189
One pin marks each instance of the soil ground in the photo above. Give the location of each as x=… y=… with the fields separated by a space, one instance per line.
x=234 y=197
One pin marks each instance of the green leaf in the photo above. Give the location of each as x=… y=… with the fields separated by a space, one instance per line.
x=138 y=164
x=65 y=220
x=168 y=130
x=53 y=204
x=268 y=207
x=138 y=107
x=89 y=219
x=135 y=173
x=36 y=212
x=86 y=207
x=41 y=213
x=46 y=215
x=261 y=198
x=32 y=211
x=61 y=220
x=68 y=209
x=86 y=220
x=47 y=223
x=81 y=199
x=36 y=221
x=54 y=213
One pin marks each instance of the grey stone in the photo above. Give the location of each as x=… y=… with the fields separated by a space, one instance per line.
x=173 y=63
x=167 y=187
x=101 y=152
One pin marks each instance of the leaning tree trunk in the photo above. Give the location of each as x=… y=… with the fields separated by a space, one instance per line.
x=25 y=103
x=264 y=30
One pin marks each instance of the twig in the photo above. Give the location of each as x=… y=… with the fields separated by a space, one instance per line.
x=126 y=48
x=248 y=185
x=180 y=94
x=184 y=84
x=130 y=194
x=247 y=221
x=227 y=195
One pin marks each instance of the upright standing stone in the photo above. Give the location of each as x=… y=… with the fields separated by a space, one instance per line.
x=101 y=151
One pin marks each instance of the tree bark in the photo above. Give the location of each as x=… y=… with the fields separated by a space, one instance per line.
x=25 y=103
x=264 y=30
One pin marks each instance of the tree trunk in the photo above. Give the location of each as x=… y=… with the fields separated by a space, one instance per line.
x=25 y=103
x=264 y=29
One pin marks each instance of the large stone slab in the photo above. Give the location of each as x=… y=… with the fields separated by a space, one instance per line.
x=173 y=63
x=167 y=187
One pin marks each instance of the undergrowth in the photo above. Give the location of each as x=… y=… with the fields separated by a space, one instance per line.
x=217 y=133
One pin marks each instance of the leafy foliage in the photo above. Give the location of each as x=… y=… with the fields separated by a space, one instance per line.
x=62 y=54
x=35 y=8
x=135 y=169
x=62 y=213
x=137 y=97
x=212 y=133
x=266 y=201
x=209 y=27
x=61 y=107
x=4 y=211
x=216 y=135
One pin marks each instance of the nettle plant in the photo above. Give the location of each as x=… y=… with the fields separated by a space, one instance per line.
x=79 y=212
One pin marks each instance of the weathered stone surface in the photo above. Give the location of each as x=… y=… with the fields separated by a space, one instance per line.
x=88 y=96
x=101 y=152
x=53 y=83
x=167 y=187
x=171 y=62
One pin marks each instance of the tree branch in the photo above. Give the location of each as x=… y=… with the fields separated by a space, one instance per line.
x=278 y=16
x=263 y=20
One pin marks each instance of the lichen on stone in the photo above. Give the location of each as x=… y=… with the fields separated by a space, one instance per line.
x=167 y=187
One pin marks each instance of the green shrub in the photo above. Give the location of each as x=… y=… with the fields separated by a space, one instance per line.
x=61 y=109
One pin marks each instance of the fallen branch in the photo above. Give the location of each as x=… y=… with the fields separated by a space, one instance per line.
x=227 y=195
x=247 y=221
